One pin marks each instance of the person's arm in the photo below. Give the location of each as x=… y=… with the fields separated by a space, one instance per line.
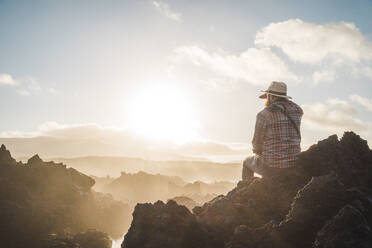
x=259 y=134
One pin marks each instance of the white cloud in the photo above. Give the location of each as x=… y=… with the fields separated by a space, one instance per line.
x=24 y=86
x=7 y=79
x=328 y=49
x=254 y=66
x=23 y=92
x=79 y=131
x=52 y=90
x=166 y=11
x=363 y=70
x=312 y=43
x=367 y=71
x=365 y=102
x=335 y=115
x=28 y=86
x=323 y=76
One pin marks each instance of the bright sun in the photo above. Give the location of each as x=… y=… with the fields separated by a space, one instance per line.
x=163 y=112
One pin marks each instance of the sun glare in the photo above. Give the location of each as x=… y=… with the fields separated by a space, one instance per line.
x=163 y=112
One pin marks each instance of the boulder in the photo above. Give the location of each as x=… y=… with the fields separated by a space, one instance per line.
x=164 y=225
x=35 y=161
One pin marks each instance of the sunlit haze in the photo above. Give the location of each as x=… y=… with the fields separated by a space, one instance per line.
x=162 y=111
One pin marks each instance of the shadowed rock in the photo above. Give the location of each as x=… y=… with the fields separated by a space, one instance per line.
x=313 y=205
x=42 y=198
x=5 y=157
x=310 y=207
x=35 y=161
x=164 y=225
x=348 y=229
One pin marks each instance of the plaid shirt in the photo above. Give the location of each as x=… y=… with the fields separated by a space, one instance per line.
x=275 y=138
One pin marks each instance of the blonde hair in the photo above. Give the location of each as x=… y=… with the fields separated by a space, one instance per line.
x=273 y=99
x=267 y=103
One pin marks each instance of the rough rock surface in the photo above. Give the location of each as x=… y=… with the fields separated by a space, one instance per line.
x=185 y=201
x=349 y=228
x=325 y=202
x=42 y=198
x=164 y=225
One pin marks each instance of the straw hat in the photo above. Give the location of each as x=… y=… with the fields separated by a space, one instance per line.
x=276 y=89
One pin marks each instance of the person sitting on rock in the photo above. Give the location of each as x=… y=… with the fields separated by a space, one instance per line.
x=277 y=137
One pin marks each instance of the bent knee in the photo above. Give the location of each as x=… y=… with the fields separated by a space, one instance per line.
x=249 y=162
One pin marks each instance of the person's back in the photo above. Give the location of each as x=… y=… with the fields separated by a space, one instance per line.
x=277 y=136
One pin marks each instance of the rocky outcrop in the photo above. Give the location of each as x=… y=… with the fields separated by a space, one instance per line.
x=42 y=198
x=185 y=201
x=5 y=157
x=348 y=229
x=164 y=225
x=325 y=202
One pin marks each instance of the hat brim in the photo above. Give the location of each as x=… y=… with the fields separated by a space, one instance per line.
x=264 y=96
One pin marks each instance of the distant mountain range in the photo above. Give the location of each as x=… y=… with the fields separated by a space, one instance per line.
x=188 y=170
x=143 y=187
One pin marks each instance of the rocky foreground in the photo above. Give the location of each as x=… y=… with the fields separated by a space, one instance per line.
x=326 y=203
x=45 y=204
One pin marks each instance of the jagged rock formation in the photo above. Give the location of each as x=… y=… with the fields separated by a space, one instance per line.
x=39 y=198
x=170 y=225
x=325 y=203
x=185 y=201
x=144 y=187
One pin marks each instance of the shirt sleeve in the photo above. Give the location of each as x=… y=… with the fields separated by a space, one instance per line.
x=259 y=134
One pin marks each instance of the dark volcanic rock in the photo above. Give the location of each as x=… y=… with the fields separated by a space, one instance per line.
x=313 y=205
x=35 y=161
x=185 y=201
x=164 y=225
x=251 y=203
x=41 y=198
x=348 y=229
x=325 y=202
x=5 y=157
x=350 y=158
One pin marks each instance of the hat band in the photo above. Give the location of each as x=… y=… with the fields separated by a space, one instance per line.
x=276 y=92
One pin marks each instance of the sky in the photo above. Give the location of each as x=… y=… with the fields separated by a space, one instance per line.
x=177 y=77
